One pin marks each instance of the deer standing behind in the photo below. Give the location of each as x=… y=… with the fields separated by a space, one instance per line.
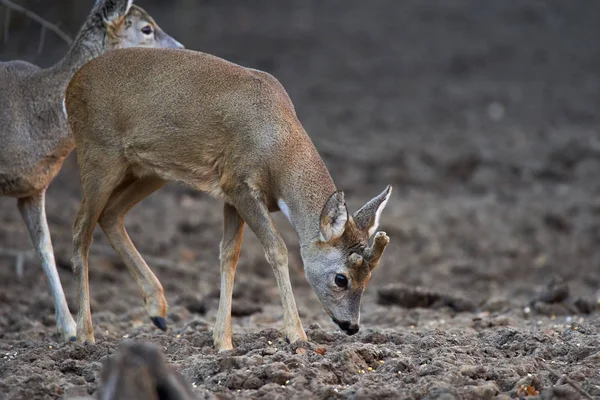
x=143 y=117
x=34 y=132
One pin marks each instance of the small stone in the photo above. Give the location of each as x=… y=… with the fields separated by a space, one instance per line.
x=495 y=111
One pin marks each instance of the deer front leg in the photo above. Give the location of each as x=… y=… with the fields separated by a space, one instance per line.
x=256 y=214
x=98 y=183
x=34 y=214
x=83 y=231
x=233 y=231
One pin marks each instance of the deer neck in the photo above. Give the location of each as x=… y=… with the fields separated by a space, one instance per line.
x=89 y=43
x=306 y=186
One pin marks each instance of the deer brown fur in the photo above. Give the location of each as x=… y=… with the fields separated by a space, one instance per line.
x=144 y=117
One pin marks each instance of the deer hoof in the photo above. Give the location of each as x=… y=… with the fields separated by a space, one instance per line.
x=160 y=323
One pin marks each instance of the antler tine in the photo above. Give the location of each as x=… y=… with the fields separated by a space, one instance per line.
x=376 y=250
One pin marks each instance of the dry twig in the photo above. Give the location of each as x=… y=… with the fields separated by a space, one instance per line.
x=29 y=14
x=565 y=378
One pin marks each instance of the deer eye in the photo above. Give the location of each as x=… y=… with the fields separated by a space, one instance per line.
x=341 y=280
x=147 y=30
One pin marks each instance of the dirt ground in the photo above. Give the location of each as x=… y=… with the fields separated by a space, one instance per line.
x=483 y=116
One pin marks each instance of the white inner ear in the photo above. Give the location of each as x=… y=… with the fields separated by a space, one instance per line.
x=375 y=225
x=338 y=226
x=129 y=4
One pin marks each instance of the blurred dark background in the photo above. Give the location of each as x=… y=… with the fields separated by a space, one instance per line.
x=483 y=115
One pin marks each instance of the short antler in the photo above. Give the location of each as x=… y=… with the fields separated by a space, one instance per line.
x=374 y=253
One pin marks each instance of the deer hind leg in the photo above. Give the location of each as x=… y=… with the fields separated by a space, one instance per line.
x=33 y=211
x=112 y=223
x=98 y=182
x=233 y=231
x=256 y=214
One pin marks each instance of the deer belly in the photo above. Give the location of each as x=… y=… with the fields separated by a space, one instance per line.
x=205 y=178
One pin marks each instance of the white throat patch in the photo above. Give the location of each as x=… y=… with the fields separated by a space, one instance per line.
x=284 y=209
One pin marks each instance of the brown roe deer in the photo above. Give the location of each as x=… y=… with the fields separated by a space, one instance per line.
x=144 y=117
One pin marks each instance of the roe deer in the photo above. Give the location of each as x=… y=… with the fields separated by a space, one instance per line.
x=34 y=132
x=143 y=117
x=139 y=371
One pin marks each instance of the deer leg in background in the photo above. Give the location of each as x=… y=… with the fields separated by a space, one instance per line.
x=33 y=211
x=112 y=223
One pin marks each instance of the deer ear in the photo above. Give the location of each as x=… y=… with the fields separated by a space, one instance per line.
x=334 y=217
x=113 y=9
x=367 y=218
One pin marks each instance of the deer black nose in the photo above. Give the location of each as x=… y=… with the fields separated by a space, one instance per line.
x=347 y=327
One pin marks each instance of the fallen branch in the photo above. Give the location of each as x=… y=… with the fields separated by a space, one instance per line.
x=30 y=14
x=20 y=257
x=565 y=378
x=192 y=324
